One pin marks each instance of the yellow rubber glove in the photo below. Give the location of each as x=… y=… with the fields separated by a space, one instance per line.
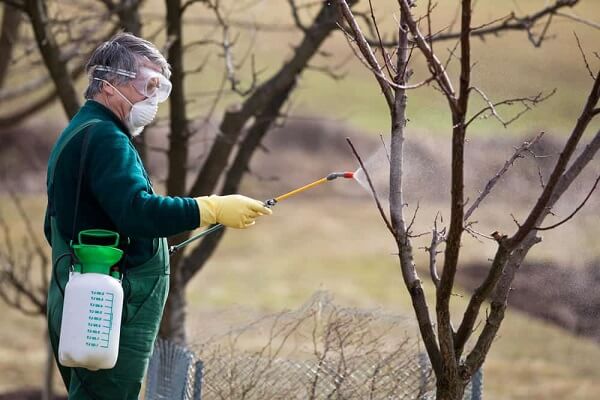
x=234 y=211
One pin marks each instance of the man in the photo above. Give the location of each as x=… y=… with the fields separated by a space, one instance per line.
x=96 y=180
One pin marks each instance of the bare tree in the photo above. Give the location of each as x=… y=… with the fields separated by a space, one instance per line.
x=241 y=130
x=453 y=363
x=24 y=274
x=60 y=49
x=242 y=126
x=11 y=19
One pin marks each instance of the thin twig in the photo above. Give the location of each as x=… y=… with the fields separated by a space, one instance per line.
x=587 y=65
x=546 y=228
x=412 y=221
x=387 y=153
x=383 y=52
x=577 y=18
x=372 y=187
x=492 y=182
x=527 y=102
x=437 y=237
x=364 y=54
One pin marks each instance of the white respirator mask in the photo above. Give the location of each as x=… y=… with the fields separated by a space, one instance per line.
x=149 y=83
x=142 y=113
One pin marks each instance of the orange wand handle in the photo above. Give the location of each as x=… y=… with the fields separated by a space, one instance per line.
x=300 y=190
x=330 y=177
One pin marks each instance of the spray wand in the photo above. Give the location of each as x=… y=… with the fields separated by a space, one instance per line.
x=269 y=203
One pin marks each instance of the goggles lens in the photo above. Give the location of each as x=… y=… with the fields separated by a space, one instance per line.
x=147 y=82
x=150 y=83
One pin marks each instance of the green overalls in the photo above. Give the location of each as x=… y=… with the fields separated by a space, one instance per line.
x=145 y=286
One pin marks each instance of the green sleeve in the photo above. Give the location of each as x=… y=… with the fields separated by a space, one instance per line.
x=117 y=180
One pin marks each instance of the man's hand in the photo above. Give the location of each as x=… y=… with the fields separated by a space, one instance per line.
x=234 y=211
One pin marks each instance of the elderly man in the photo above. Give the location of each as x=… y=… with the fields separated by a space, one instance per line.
x=96 y=180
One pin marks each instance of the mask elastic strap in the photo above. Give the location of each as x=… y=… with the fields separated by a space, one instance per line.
x=118 y=91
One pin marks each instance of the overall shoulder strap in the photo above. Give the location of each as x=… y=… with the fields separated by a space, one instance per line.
x=63 y=144
x=58 y=152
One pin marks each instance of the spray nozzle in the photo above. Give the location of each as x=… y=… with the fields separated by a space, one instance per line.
x=335 y=175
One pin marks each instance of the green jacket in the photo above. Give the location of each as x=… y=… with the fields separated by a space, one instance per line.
x=116 y=192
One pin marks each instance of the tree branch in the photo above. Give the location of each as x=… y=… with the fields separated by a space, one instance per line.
x=367 y=52
x=547 y=228
x=14 y=4
x=525 y=146
x=383 y=52
x=405 y=250
x=236 y=117
x=257 y=104
x=512 y=22
x=542 y=203
x=435 y=66
x=579 y=19
x=453 y=241
x=195 y=261
x=587 y=65
x=527 y=102
x=503 y=286
x=36 y=9
x=372 y=187
x=508 y=23
x=11 y=19
x=437 y=237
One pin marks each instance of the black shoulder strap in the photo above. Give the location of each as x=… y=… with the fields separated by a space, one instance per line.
x=84 y=147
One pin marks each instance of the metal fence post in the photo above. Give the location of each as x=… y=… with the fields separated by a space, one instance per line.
x=477 y=385
x=198 y=380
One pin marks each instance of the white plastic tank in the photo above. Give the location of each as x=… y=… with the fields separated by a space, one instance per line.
x=91 y=321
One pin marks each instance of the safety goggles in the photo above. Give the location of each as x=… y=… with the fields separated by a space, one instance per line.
x=147 y=82
x=150 y=83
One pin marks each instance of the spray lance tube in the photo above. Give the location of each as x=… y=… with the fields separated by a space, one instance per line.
x=269 y=203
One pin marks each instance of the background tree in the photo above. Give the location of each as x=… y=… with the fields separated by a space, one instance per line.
x=453 y=362
x=24 y=276
x=63 y=40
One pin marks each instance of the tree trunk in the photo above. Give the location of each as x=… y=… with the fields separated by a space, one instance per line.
x=449 y=389
x=36 y=9
x=267 y=99
x=11 y=19
x=173 y=321
x=129 y=16
x=130 y=21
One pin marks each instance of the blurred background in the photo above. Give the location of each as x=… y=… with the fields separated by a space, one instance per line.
x=332 y=238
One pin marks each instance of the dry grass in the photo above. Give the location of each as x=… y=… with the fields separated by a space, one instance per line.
x=339 y=246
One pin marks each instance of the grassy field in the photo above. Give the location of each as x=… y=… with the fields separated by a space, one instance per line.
x=338 y=246
x=342 y=247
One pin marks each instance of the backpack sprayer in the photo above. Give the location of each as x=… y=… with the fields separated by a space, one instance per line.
x=269 y=203
x=93 y=296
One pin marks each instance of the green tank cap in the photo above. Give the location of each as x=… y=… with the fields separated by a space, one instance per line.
x=97 y=250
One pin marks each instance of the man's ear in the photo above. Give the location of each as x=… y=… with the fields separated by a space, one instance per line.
x=107 y=89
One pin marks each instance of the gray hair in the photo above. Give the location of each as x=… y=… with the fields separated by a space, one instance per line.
x=123 y=52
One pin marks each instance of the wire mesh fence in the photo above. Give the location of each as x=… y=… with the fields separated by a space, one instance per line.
x=174 y=373
x=320 y=351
